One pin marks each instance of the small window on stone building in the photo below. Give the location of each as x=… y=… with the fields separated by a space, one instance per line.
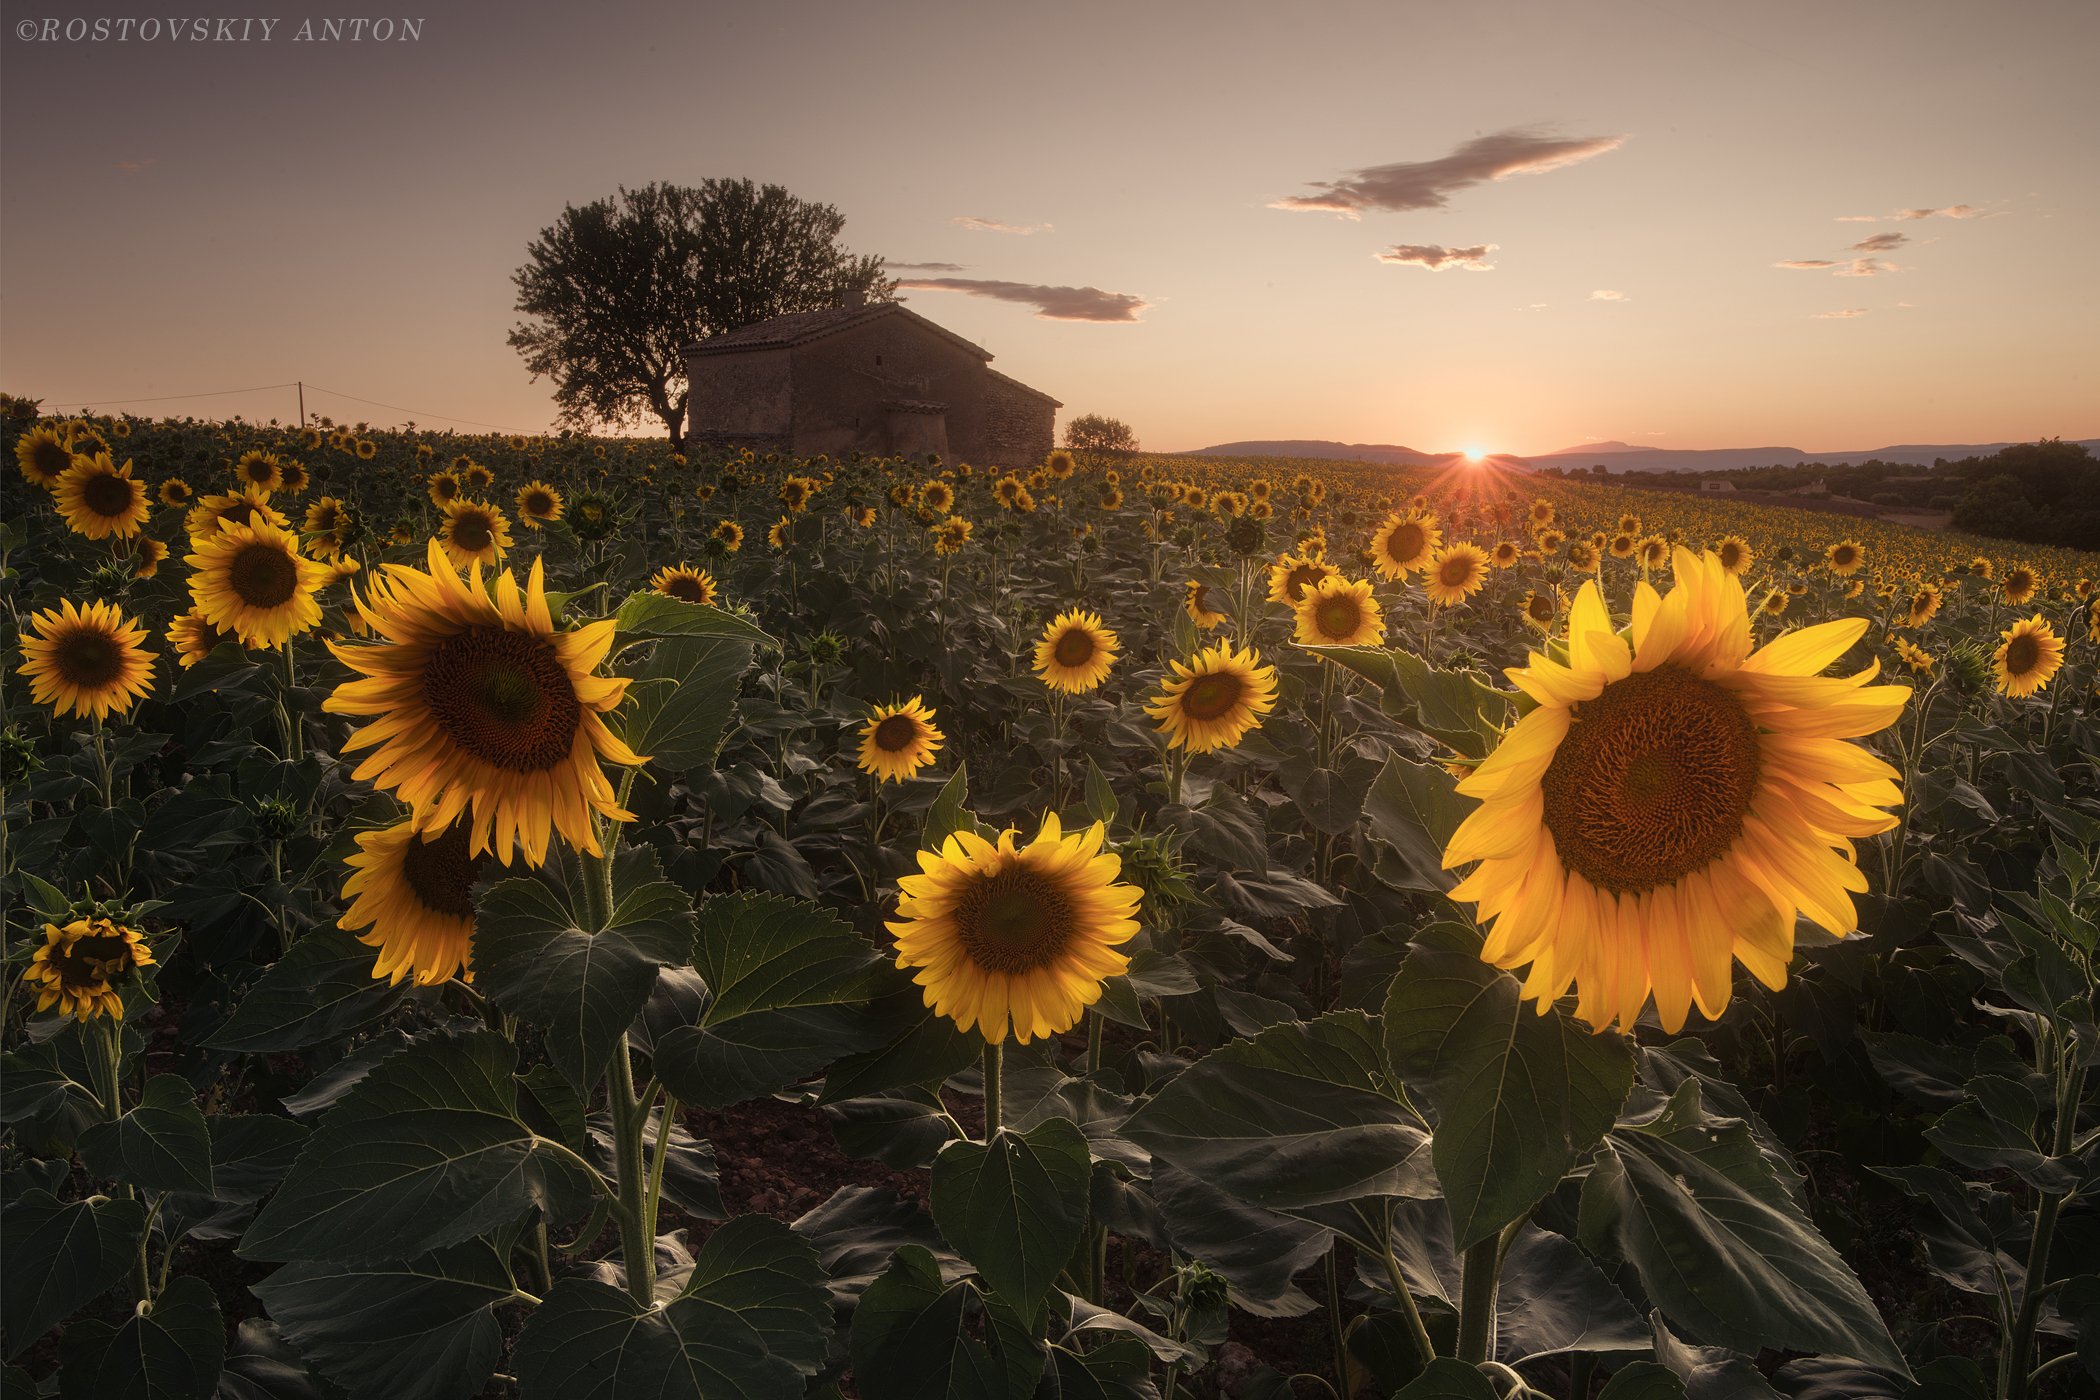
x=878 y=360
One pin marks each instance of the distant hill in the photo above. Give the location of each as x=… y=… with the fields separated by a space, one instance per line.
x=1318 y=447
x=1620 y=457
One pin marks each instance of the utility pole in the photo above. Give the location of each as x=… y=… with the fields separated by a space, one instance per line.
x=302 y=403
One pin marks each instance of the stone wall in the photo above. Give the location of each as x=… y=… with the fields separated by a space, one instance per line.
x=741 y=400
x=1018 y=428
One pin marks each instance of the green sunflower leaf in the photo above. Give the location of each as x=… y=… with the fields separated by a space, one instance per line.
x=322 y=988
x=162 y=1145
x=1015 y=1206
x=914 y=1339
x=427 y=1150
x=536 y=954
x=60 y=1255
x=1519 y=1097
x=172 y=1352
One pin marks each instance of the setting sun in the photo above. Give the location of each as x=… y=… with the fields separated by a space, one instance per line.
x=1474 y=454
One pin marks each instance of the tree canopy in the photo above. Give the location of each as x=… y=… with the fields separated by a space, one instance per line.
x=1094 y=432
x=616 y=289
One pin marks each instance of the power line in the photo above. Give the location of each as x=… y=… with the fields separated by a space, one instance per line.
x=170 y=398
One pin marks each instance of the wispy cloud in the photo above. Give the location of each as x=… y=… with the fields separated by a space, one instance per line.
x=1859 y=218
x=1439 y=259
x=977 y=224
x=1050 y=303
x=1841 y=267
x=1847 y=314
x=925 y=267
x=1952 y=211
x=133 y=167
x=1881 y=242
x=1429 y=184
x=1606 y=294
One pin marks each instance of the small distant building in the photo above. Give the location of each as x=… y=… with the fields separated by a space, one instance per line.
x=1716 y=483
x=877 y=378
x=1818 y=487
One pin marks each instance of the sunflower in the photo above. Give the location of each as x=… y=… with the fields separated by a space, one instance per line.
x=1655 y=553
x=476 y=477
x=685 y=583
x=729 y=535
x=444 y=488
x=1845 y=558
x=474 y=533
x=1199 y=608
x=99 y=499
x=1404 y=544
x=1674 y=800
x=2028 y=656
x=951 y=535
x=414 y=896
x=247 y=506
x=898 y=740
x=1340 y=612
x=1457 y=573
x=1582 y=557
x=176 y=492
x=194 y=637
x=1623 y=544
x=43 y=455
x=1505 y=554
x=2019 y=584
x=780 y=532
x=251 y=580
x=936 y=496
x=151 y=554
x=481 y=705
x=1924 y=605
x=260 y=470
x=1292 y=574
x=77 y=968
x=1076 y=652
x=1549 y=541
x=863 y=516
x=1630 y=524
x=795 y=492
x=1542 y=513
x=1540 y=610
x=310 y=439
x=1775 y=604
x=366 y=449
x=324 y=517
x=1010 y=491
x=1004 y=935
x=1059 y=464
x=295 y=478
x=1916 y=657
x=1214 y=700
x=86 y=660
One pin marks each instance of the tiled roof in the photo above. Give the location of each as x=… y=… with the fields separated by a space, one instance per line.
x=802 y=327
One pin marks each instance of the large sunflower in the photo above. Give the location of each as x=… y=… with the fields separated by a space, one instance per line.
x=1404 y=543
x=1673 y=801
x=481 y=706
x=251 y=580
x=248 y=506
x=1924 y=605
x=474 y=533
x=1456 y=574
x=1340 y=612
x=262 y=470
x=1199 y=609
x=99 y=499
x=1215 y=699
x=1845 y=558
x=1293 y=574
x=538 y=504
x=898 y=740
x=1735 y=555
x=44 y=454
x=2028 y=655
x=1025 y=936
x=1076 y=652
x=2019 y=584
x=77 y=968
x=86 y=660
x=414 y=896
x=685 y=583
x=194 y=637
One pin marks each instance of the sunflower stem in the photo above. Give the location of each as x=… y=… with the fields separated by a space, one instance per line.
x=637 y=1238
x=1424 y=1347
x=993 y=1056
x=294 y=737
x=1476 y=1310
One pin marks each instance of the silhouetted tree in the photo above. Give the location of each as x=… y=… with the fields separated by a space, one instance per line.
x=1092 y=432
x=2045 y=492
x=619 y=287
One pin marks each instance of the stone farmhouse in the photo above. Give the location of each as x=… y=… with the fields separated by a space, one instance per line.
x=876 y=378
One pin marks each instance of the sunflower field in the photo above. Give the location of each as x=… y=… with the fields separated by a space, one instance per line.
x=546 y=917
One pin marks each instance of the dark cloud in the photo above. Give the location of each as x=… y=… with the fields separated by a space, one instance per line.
x=1429 y=184
x=1952 y=211
x=1050 y=303
x=982 y=225
x=925 y=267
x=1881 y=243
x=1439 y=259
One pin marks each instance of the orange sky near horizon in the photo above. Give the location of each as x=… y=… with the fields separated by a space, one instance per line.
x=1515 y=228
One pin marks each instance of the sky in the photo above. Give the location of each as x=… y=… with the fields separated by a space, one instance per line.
x=1511 y=226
